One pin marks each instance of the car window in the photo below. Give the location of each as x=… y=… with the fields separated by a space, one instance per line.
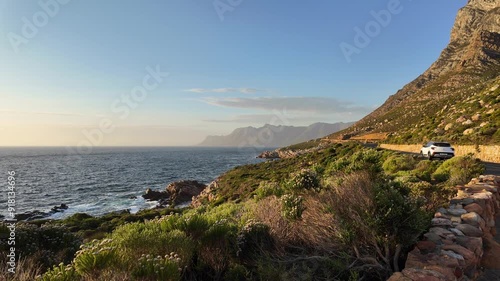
x=442 y=144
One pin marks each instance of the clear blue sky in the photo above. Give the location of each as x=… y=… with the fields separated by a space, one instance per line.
x=257 y=62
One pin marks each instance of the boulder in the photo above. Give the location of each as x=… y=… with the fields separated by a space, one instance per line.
x=426 y=246
x=475 y=244
x=470 y=230
x=269 y=155
x=468 y=255
x=30 y=216
x=60 y=208
x=456 y=212
x=184 y=191
x=469 y=131
x=474 y=207
x=461 y=119
x=440 y=222
x=153 y=195
x=423 y=274
x=484 y=124
x=467 y=122
x=472 y=218
x=398 y=276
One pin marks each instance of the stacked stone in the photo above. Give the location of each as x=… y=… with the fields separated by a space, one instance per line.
x=453 y=247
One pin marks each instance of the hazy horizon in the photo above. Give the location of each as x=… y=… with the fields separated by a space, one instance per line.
x=168 y=74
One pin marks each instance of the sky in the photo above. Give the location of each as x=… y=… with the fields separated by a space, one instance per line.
x=170 y=72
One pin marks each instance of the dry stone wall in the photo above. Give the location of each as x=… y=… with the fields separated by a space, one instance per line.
x=453 y=247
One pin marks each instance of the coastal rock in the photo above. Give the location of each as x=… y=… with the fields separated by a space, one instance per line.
x=207 y=195
x=153 y=195
x=184 y=191
x=30 y=216
x=269 y=155
x=175 y=193
x=60 y=208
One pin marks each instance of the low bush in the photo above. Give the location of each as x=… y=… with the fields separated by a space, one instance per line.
x=47 y=244
x=398 y=163
x=95 y=256
x=267 y=188
x=424 y=169
x=292 y=206
x=254 y=239
x=377 y=218
x=159 y=268
x=304 y=180
x=458 y=170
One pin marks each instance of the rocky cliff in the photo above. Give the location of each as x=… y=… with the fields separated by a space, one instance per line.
x=462 y=82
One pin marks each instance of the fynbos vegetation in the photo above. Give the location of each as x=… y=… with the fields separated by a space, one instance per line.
x=342 y=212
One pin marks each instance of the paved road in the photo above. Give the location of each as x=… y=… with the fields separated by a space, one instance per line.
x=492 y=168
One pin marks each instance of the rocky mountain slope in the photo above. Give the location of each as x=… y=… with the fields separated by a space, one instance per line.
x=274 y=136
x=458 y=97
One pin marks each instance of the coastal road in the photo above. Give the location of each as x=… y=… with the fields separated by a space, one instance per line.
x=492 y=168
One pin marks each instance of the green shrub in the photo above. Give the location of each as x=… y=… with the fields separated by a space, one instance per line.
x=267 y=188
x=136 y=239
x=376 y=214
x=292 y=206
x=424 y=169
x=50 y=244
x=95 y=256
x=217 y=248
x=459 y=170
x=363 y=159
x=398 y=163
x=252 y=239
x=60 y=273
x=159 y=268
x=303 y=181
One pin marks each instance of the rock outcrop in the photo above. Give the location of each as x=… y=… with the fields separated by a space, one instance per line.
x=453 y=247
x=175 y=193
x=207 y=195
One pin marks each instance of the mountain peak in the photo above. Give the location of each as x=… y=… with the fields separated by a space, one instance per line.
x=484 y=4
x=457 y=84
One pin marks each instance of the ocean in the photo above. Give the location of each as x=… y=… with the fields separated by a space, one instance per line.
x=107 y=179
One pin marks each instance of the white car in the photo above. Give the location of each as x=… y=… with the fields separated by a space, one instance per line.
x=433 y=149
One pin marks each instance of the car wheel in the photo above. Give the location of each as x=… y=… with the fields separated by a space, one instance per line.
x=429 y=155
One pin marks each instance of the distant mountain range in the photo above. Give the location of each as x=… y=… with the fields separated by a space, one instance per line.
x=274 y=136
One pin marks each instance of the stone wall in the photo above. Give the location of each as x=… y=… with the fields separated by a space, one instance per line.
x=487 y=153
x=453 y=247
